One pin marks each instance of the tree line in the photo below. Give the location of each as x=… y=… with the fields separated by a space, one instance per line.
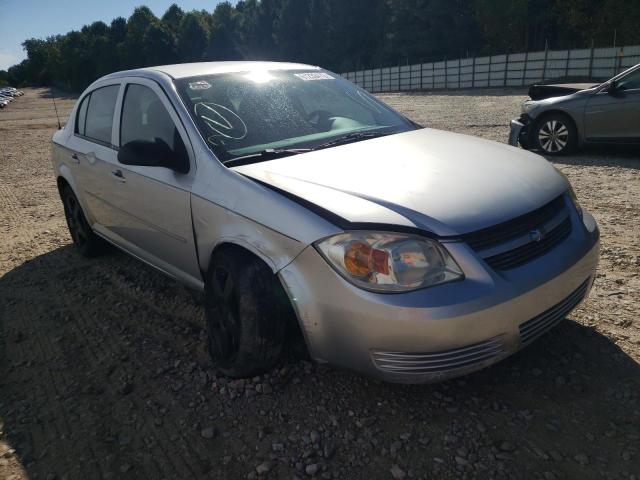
x=337 y=34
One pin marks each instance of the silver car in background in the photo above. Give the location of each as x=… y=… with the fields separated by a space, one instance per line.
x=606 y=114
x=315 y=217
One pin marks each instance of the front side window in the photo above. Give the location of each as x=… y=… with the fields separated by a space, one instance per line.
x=144 y=118
x=630 y=82
x=99 y=114
x=243 y=113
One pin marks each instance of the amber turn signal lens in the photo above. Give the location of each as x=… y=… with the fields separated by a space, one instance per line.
x=356 y=259
x=361 y=260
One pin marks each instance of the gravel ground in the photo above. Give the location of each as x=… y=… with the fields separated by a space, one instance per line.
x=103 y=372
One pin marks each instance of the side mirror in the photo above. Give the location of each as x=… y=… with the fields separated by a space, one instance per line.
x=153 y=154
x=614 y=89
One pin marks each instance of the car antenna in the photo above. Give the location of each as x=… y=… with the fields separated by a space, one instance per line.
x=55 y=107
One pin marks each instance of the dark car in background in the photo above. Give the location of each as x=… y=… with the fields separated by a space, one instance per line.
x=560 y=118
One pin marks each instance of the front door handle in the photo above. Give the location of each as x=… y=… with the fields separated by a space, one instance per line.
x=118 y=175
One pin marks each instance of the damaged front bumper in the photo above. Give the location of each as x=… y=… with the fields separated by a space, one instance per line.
x=519 y=129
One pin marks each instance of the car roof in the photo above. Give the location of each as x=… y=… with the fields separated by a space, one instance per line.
x=184 y=70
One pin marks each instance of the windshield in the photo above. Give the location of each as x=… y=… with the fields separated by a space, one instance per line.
x=244 y=113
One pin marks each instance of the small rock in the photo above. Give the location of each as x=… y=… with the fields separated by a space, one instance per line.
x=395 y=446
x=582 y=459
x=126 y=388
x=311 y=469
x=208 y=432
x=263 y=468
x=277 y=447
x=507 y=447
x=397 y=473
x=125 y=467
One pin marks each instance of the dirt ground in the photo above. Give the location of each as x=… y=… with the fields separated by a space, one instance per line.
x=103 y=374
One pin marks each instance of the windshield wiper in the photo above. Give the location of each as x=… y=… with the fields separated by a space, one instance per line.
x=350 y=138
x=267 y=154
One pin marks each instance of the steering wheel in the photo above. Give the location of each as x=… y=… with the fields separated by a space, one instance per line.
x=320 y=119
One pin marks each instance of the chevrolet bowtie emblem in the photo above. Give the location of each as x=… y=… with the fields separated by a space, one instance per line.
x=536 y=235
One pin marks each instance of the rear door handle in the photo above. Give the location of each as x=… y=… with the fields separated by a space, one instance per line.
x=118 y=175
x=75 y=158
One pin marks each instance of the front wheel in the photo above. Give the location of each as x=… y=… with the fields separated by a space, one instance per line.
x=247 y=312
x=555 y=134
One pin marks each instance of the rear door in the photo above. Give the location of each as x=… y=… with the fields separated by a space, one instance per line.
x=153 y=205
x=93 y=152
x=615 y=117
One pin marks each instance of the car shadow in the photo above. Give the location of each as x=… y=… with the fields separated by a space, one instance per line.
x=602 y=156
x=104 y=375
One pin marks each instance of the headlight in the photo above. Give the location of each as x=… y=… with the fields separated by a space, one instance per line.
x=389 y=262
x=574 y=200
x=571 y=193
x=527 y=106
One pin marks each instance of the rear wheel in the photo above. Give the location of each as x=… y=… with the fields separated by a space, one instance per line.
x=555 y=134
x=247 y=313
x=85 y=241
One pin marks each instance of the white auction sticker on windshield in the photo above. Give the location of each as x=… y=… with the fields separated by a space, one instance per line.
x=201 y=85
x=314 y=76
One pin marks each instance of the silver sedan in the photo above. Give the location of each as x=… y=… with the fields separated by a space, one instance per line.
x=315 y=218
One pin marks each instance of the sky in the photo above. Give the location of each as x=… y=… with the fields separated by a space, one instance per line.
x=23 y=19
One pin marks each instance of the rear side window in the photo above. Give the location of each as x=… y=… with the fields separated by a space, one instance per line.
x=99 y=114
x=82 y=115
x=144 y=118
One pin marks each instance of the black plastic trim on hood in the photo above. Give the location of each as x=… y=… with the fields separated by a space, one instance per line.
x=345 y=224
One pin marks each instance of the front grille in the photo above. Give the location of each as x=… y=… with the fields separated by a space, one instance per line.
x=399 y=362
x=531 y=250
x=505 y=231
x=552 y=220
x=532 y=329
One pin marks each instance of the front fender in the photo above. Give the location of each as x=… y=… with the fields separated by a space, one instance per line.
x=215 y=225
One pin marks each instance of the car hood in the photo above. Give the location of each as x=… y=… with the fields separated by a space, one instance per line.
x=443 y=182
x=540 y=92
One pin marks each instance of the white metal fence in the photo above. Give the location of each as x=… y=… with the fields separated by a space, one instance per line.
x=508 y=70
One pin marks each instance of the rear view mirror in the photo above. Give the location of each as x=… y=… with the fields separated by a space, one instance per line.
x=152 y=154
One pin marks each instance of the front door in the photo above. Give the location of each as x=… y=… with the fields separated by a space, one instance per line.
x=154 y=205
x=615 y=116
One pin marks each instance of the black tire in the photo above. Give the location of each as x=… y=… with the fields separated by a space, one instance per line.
x=247 y=314
x=84 y=239
x=554 y=134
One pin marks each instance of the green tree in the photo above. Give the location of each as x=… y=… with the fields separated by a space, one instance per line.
x=193 y=37
x=172 y=18
x=160 y=45
x=134 y=46
x=224 y=36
